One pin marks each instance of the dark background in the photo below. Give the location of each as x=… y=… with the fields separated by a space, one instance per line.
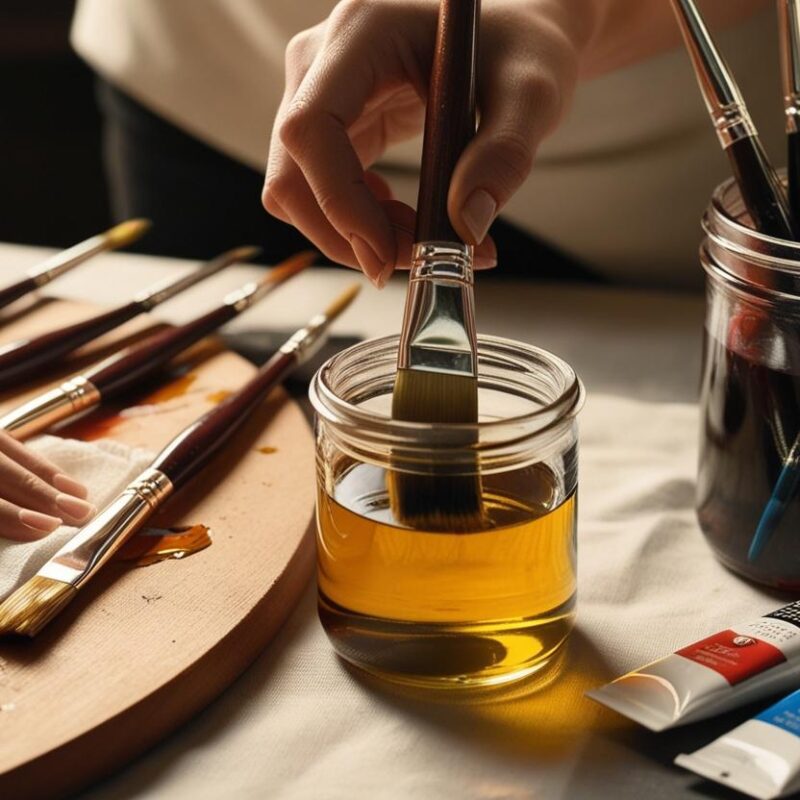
x=52 y=190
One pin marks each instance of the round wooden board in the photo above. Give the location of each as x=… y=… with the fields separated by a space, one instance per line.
x=142 y=649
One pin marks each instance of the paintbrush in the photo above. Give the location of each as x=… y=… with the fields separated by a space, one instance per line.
x=785 y=489
x=28 y=358
x=761 y=190
x=789 y=25
x=437 y=364
x=123 y=371
x=28 y=609
x=119 y=236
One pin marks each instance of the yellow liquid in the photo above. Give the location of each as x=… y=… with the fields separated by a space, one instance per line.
x=432 y=608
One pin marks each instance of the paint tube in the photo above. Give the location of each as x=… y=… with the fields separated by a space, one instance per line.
x=760 y=758
x=729 y=669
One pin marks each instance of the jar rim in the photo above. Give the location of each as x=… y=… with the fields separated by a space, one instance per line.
x=723 y=225
x=382 y=428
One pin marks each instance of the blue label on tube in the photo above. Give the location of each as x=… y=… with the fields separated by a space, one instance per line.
x=784 y=714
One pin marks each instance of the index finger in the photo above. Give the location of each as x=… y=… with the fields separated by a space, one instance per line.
x=314 y=131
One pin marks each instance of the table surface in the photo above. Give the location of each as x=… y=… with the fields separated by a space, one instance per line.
x=300 y=724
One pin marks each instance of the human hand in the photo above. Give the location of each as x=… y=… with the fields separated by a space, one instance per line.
x=356 y=83
x=35 y=496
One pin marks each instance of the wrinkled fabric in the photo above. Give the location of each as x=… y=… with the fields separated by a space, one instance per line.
x=105 y=467
x=299 y=724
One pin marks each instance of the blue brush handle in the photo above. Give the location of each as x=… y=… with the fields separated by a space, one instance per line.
x=783 y=492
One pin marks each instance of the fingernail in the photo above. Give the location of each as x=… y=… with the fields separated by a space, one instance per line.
x=69 y=485
x=73 y=507
x=478 y=213
x=372 y=265
x=485 y=262
x=43 y=523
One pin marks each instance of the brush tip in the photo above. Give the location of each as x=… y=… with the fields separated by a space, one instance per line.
x=291 y=266
x=28 y=609
x=127 y=232
x=342 y=301
x=246 y=252
x=437 y=502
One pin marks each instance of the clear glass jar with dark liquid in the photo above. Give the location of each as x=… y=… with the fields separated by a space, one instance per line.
x=750 y=400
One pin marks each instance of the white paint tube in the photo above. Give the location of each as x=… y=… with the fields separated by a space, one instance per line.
x=727 y=670
x=760 y=758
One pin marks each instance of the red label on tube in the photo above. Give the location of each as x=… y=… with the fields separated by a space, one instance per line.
x=733 y=656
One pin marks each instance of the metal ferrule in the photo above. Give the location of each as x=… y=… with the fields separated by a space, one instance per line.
x=722 y=96
x=45 y=410
x=242 y=299
x=66 y=260
x=306 y=343
x=97 y=541
x=439 y=319
x=789 y=21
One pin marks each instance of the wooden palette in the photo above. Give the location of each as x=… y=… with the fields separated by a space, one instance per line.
x=142 y=649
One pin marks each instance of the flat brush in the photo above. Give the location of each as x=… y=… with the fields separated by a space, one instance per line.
x=119 y=236
x=125 y=370
x=28 y=609
x=759 y=185
x=789 y=25
x=28 y=358
x=437 y=365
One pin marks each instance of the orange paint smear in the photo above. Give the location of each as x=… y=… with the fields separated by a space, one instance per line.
x=177 y=388
x=154 y=545
x=100 y=423
x=218 y=397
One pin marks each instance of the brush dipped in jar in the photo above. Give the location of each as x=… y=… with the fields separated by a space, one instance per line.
x=436 y=607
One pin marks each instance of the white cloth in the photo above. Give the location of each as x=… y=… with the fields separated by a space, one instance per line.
x=300 y=725
x=105 y=467
x=621 y=184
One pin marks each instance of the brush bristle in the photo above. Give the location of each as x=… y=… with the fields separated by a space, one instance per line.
x=437 y=502
x=127 y=232
x=342 y=302
x=291 y=266
x=246 y=252
x=27 y=610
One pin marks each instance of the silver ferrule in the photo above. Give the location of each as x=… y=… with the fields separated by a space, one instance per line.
x=97 y=541
x=789 y=22
x=45 y=410
x=722 y=96
x=306 y=343
x=242 y=299
x=439 y=320
x=67 y=259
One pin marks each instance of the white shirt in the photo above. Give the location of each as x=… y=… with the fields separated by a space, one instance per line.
x=621 y=185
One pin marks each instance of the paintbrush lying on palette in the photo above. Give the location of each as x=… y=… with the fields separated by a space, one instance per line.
x=126 y=370
x=28 y=609
x=28 y=358
x=119 y=236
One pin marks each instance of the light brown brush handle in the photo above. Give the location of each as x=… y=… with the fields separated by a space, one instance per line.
x=450 y=116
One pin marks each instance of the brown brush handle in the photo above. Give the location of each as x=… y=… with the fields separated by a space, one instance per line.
x=192 y=449
x=29 y=357
x=16 y=290
x=127 y=369
x=450 y=116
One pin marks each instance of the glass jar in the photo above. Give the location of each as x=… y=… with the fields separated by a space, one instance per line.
x=750 y=397
x=448 y=607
